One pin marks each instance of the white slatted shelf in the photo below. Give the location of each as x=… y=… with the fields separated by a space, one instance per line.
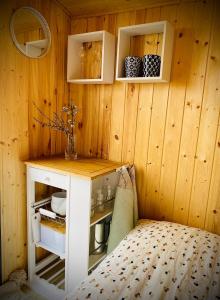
x=52 y=273
x=49 y=268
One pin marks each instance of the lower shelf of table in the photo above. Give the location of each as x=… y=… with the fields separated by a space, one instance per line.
x=95 y=259
x=50 y=249
x=54 y=270
x=54 y=273
x=49 y=277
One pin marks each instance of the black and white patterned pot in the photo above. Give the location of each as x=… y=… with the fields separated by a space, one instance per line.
x=133 y=66
x=151 y=65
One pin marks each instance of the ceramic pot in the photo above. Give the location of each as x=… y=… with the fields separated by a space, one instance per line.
x=133 y=66
x=151 y=65
x=58 y=203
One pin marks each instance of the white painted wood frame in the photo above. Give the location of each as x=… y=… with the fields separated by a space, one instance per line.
x=77 y=232
x=77 y=258
x=108 y=57
x=123 y=50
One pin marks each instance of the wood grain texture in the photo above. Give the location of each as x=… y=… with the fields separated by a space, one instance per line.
x=98 y=7
x=207 y=131
x=192 y=110
x=170 y=131
x=91 y=168
x=22 y=82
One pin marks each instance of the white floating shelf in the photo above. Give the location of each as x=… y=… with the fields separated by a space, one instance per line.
x=36 y=48
x=124 y=42
x=142 y=79
x=74 y=59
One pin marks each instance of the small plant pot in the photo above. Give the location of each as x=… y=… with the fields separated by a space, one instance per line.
x=151 y=65
x=133 y=65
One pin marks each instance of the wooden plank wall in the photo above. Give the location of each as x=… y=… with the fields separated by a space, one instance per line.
x=170 y=131
x=22 y=81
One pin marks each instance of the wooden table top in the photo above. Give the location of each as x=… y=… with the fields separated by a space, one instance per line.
x=87 y=167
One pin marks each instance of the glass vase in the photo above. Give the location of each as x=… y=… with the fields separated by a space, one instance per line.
x=70 y=152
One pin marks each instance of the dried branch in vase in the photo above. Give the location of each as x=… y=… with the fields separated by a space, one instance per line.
x=66 y=125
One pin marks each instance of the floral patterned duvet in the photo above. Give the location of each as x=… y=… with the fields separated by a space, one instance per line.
x=158 y=260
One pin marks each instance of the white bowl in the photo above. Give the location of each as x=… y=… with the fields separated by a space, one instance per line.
x=58 y=203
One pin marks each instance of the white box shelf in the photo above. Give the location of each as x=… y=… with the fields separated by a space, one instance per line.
x=103 y=59
x=124 y=43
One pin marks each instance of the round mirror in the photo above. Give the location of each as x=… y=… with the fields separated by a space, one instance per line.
x=30 y=32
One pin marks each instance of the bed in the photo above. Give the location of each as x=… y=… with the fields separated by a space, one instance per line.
x=158 y=260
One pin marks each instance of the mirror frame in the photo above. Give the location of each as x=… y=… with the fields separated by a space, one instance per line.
x=43 y=23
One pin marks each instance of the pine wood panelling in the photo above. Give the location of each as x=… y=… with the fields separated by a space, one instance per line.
x=118 y=104
x=168 y=130
x=98 y=7
x=109 y=24
x=151 y=46
x=207 y=131
x=212 y=215
x=22 y=81
x=156 y=134
x=141 y=145
x=130 y=120
x=77 y=91
x=192 y=110
x=131 y=102
x=173 y=127
x=144 y=120
x=13 y=134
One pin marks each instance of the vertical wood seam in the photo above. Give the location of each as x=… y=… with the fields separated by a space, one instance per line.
x=148 y=142
x=136 y=123
x=123 y=128
x=168 y=97
x=210 y=179
x=179 y=145
x=181 y=131
x=203 y=92
x=110 y=125
x=147 y=150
